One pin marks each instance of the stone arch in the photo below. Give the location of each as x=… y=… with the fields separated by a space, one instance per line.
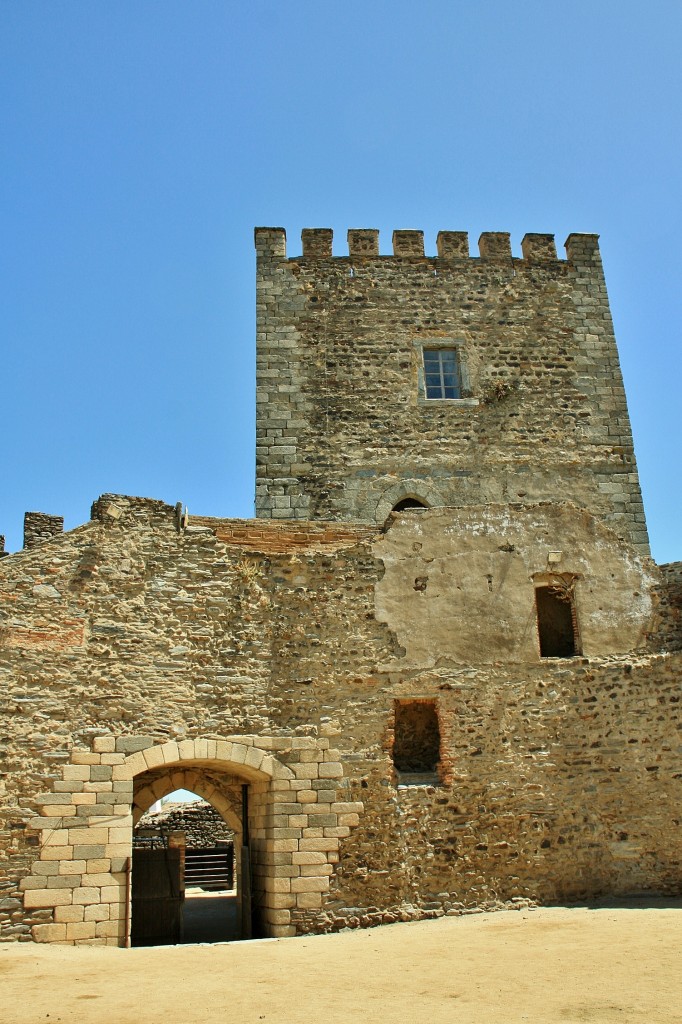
x=254 y=763
x=190 y=779
x=419 y=490
x=87 y=829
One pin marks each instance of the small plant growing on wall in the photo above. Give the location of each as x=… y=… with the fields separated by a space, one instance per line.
x=250 y=573
x=498 y=389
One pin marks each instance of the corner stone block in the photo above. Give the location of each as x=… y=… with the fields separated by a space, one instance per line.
x=49 y=932
x=277 y=884
x=280 y=900
x=118 y=835
x=538 y=247
x=85 y=757
x=308 y=858
x=85 y=895
x=132 y=744
x=88 y=836
x=277 y=916
x=58 y=811
x=104 y=744
x=34 y=898
x=59 y=839
x=309 y=900
x=355 y=807
x=324 y=845
x=317 y=243
x=331 y=770
x=67 y=915
x=363 y=242
x=76 y=772
x=408 y=243
x=495 y=245
x=80 y=930
x=453 y=245
x=318 y=883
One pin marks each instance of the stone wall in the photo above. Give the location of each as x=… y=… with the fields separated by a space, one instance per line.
x=198 y=820
x=343 y=428
x=668 y=603
x=141 y=653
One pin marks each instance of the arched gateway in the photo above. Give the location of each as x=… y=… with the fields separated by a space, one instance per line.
x=287 y=785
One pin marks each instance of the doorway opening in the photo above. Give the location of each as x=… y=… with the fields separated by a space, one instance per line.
x=187 y=881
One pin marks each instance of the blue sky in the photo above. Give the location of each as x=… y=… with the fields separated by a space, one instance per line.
x=142 y=141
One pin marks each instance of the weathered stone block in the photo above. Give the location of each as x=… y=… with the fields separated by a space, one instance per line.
x=315 y=883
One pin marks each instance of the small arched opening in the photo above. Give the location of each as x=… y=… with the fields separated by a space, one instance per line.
x=408 y=503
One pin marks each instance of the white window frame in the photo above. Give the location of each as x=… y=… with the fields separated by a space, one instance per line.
x=444 y=344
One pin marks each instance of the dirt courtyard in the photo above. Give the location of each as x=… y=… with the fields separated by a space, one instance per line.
x=540 y=966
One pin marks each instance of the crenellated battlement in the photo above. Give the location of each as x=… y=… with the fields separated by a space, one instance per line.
x=441 y=378
x=363 y=243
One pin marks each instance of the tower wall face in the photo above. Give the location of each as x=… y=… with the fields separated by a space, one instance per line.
x=345 y=428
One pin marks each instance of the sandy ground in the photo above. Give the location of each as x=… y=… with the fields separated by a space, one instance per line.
x=552 y=965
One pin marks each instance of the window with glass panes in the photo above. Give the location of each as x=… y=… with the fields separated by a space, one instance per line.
x=441 y=373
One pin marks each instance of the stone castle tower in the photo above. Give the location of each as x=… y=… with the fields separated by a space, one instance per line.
x=386 y=381
x=399 y=716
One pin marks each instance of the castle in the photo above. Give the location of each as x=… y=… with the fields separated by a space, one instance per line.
x=438 y=672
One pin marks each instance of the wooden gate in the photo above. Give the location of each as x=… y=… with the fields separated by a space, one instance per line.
x=209 y=868
x=157 y=897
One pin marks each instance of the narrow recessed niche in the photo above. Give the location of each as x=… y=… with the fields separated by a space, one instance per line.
x=557 y=621
x=416 y=742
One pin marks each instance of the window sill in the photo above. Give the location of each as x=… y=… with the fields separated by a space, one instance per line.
x=462 y=403
x=412 y=780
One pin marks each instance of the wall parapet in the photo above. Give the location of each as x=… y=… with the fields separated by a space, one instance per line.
x=363 y=243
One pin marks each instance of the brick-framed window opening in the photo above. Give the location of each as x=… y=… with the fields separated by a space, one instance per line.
x=442 y=376
x=416 y=737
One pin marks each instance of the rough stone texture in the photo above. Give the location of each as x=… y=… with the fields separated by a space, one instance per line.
x=146 y=652
x=198 y=820
x=343 y=429
x=668 y=603
x=38 y=526
x=297 y=633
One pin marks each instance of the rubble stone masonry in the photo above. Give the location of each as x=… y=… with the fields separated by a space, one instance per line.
x=510 y=640
x=138 y=655
x=344 y=430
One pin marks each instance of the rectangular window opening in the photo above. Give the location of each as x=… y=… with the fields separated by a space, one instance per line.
x=557 y=625
x=442 y=377
x=416 y=742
